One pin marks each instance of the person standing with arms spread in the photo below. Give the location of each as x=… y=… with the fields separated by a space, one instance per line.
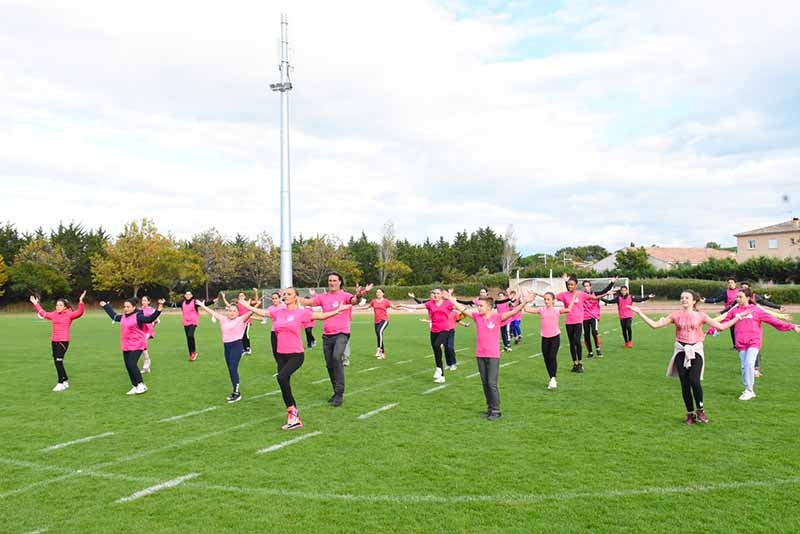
x=336 y=331
x=591 y=317
x=574 y=319
x=380 y=308
x=624 y=300
x=61 y=319
x=189 y=317
x=728 y=296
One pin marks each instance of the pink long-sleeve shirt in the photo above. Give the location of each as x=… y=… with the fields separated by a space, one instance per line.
x=61 y=320
x=748 y=331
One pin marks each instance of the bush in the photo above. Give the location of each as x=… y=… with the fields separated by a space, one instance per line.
x=671 y=288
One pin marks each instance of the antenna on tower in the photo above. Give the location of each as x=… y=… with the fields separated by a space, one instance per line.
x=283 y=87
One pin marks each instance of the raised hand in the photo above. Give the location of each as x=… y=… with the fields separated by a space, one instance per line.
x=412 y=295
x=82 y=296
x=34 y=300
x=369 y=287
x=102 y=303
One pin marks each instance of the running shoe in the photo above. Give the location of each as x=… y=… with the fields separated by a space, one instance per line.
x=438 y=372
x=590 y=355
x=141 y=388
x=599 y=354
x=747 y=395
x=337 y=400
x=132 y=391
x=59 y=387
x=757 y=373
x=377 y=353
x=580 y=368
x=439 y=380
x=552 y=384
x=192 y=356
x=145 y=370
x=494 y=416
x=294 y=425
x=234 y=397
x=701 y=416
x=690 y=418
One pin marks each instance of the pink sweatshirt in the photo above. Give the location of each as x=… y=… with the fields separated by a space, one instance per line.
x=288 y=325
x=748 y=330
x=61 y=320
x=487 y=340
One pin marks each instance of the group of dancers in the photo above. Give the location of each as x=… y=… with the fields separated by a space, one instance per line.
x=494 y=321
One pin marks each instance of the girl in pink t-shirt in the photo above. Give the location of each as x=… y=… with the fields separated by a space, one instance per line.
x=687 y=357
x=439 y=314
x=380 y=307
x=61 y=319
x=150 y=330
x=488 y=324
x=551 y=333
x=243 y=311
x=287 y=323
x=232 y=324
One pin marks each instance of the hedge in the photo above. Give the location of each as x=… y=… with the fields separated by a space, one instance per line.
x=671 y=288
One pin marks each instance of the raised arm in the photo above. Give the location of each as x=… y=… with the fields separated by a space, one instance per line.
x=257 y=311
x=216 y=315
x=664 y=321
x=644 y=298
x=110 y=311
x=524 y=301
x=39 y=310
x=142 y=319
x=607 y=288
x=457 y=304
x=360 y=292
x=321 y=316
x=81 y=307
x=222 y=296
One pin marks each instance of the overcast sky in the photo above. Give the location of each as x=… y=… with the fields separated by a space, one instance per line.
x=586 y=122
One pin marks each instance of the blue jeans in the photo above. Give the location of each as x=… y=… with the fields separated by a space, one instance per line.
x=233 y=353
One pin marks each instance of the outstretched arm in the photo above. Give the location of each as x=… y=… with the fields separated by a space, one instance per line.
x=527 y=299
x=110 y=311
x=142 y=319
x=664 y=321
x=256 y=311
x=216 y=315
x=324 y=315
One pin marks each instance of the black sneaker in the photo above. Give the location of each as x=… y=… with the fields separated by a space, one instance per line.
x=337 y=400
x=590 y=355
x=574 y=368
x=579 y=368
x=333 y=398
x=494 y=416
x=234 y=397
x=599 y=354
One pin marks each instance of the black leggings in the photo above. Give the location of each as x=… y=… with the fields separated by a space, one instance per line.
x=59 y=351
x=589 y=332
x=131 y=359
x=310 y=336
x=690 y=381
x=273 y=341
x=439 y=339
x=189 y=329
x=287 y=365
x=627 y=331
x=504 y=333
x=574 y=337
x=246 y=338
x=550 y=347
x=380 y=327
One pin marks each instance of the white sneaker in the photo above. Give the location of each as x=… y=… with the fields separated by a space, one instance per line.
x=747 y=395
x=141 y=388
x=59 y=387
x=438 y=373
x=452 y=367
x=65 y=384
x=145 y=370
x=552 y=384
x=132 y=391
x=377 y=353
x=439 y=379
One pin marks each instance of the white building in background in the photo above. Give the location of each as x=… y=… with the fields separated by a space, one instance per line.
x=668 y=257
x=778 y=241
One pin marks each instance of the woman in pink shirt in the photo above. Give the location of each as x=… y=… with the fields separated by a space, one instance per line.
x=232 y=324
x=243 y=311
x=687 y=356
x=624 y=300
x=488 y=323
x=551 y=333
x=574 y=319
x=287 y=323
x=62 y=319
x=150 y=329
x=749 y=336
x=277 y=304
x=380 y=307
x=439 y=314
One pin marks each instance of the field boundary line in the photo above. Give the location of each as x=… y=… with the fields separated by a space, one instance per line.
x=75 y=442
x=188 y=414
x=267 y=394
x=368 y=370
x=278 y=446
x=379 y=410
x=437 y=388
x=158 y=487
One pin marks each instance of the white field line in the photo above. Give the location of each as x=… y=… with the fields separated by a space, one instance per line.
x=267 y=394
x=459 y=350
x=535 y=355
x=404 y=361
x=75 y=442
x=152 y=489
x=508 y=363
x=321 y=380
x=437 y=388
x=368 y=370
x=188 y=414
x=39 y=531
x=379 y=410
x=473 y=375
x=606 y=332
x=278 y=446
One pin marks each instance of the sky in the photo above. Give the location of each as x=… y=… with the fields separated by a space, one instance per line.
x=572 y=122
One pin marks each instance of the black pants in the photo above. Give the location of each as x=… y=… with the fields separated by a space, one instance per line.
x=627 y=331
x=380 y=327
x=310 y=336
x=273 y=341
x=246 y=338
x=287 y=365
x=733 y=335
x=59 y=351
x=550 y=347
x=189 y=329
x=438 y=340
x=589 y=332
x=504 y=333
x=690 y=381
x=574 y=337
x=131 y=359
x=450 y=348
x=333 y=348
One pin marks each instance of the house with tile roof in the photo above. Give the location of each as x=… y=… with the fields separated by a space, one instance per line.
x=780 y=240
x=668 y=257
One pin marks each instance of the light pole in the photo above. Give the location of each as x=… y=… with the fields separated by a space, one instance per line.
x=283 y=87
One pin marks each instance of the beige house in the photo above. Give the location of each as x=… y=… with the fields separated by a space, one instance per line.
x=669 y=257
x=779 y=241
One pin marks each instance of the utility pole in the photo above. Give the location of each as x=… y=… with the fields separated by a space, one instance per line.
x=283 y=87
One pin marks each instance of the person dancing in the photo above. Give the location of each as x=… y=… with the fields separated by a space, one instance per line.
x=61 y=320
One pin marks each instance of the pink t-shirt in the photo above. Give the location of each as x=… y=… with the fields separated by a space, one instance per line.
x=502 y=308
x=339 y=323
x=288 y=324
x=281 y=306
x=576 y=315
x=624 y=306
x=550 y=327
x=244 y=311
x=440 y=315
x=487 y=339
x=149 y=328
x=232 y=329
x=61 y=320
x=689 y=326
x=748 y=331
x=380 y=309
x=591 y=307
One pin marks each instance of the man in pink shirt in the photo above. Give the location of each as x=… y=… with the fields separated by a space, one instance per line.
x=336 y=332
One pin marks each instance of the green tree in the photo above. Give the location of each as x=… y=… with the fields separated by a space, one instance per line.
x=218 y=258
x=3 y=275
x=10 y=242
x=314 y=258
x=40 y=267
x=713 y=244
x=135 y=260
x=588 y=253
x=258 y=262
x=394 y=272
x=366 y=254
x=632 y=262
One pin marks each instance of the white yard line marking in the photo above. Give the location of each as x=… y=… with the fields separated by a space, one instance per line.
x=283 y=444
x=321 y=380
x=152 y=489
x=606 y=332
x=36 y=531
x=535 y=355
x=75 y=442
x=404 y=361
x=379 y=410
x=189 y=414
x=260 y=395
x=437 y=388
x=473 y=374
x=508 y=363
x=459 y=350
x=368 y=370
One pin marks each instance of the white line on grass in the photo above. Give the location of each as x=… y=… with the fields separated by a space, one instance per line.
x=606 y=332
x=321 y=380
x=535 y=355
x=277 y=446
x=368 y=370
x=267 y=394
x=36 y=531
x=379 y=410
x=437 y=388
x=404 y=361
x=473 y=375
x=189 y=414
x=75 y=442
x=508 y=363
x=152 y=489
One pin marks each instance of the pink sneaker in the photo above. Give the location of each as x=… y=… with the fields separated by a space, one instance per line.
x=690 y=418
x=292 y=420
x=701 y=416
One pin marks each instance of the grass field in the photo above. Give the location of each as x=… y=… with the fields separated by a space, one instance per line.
x=606 y=452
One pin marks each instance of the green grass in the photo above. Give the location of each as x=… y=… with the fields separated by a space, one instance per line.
x=606 y=452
